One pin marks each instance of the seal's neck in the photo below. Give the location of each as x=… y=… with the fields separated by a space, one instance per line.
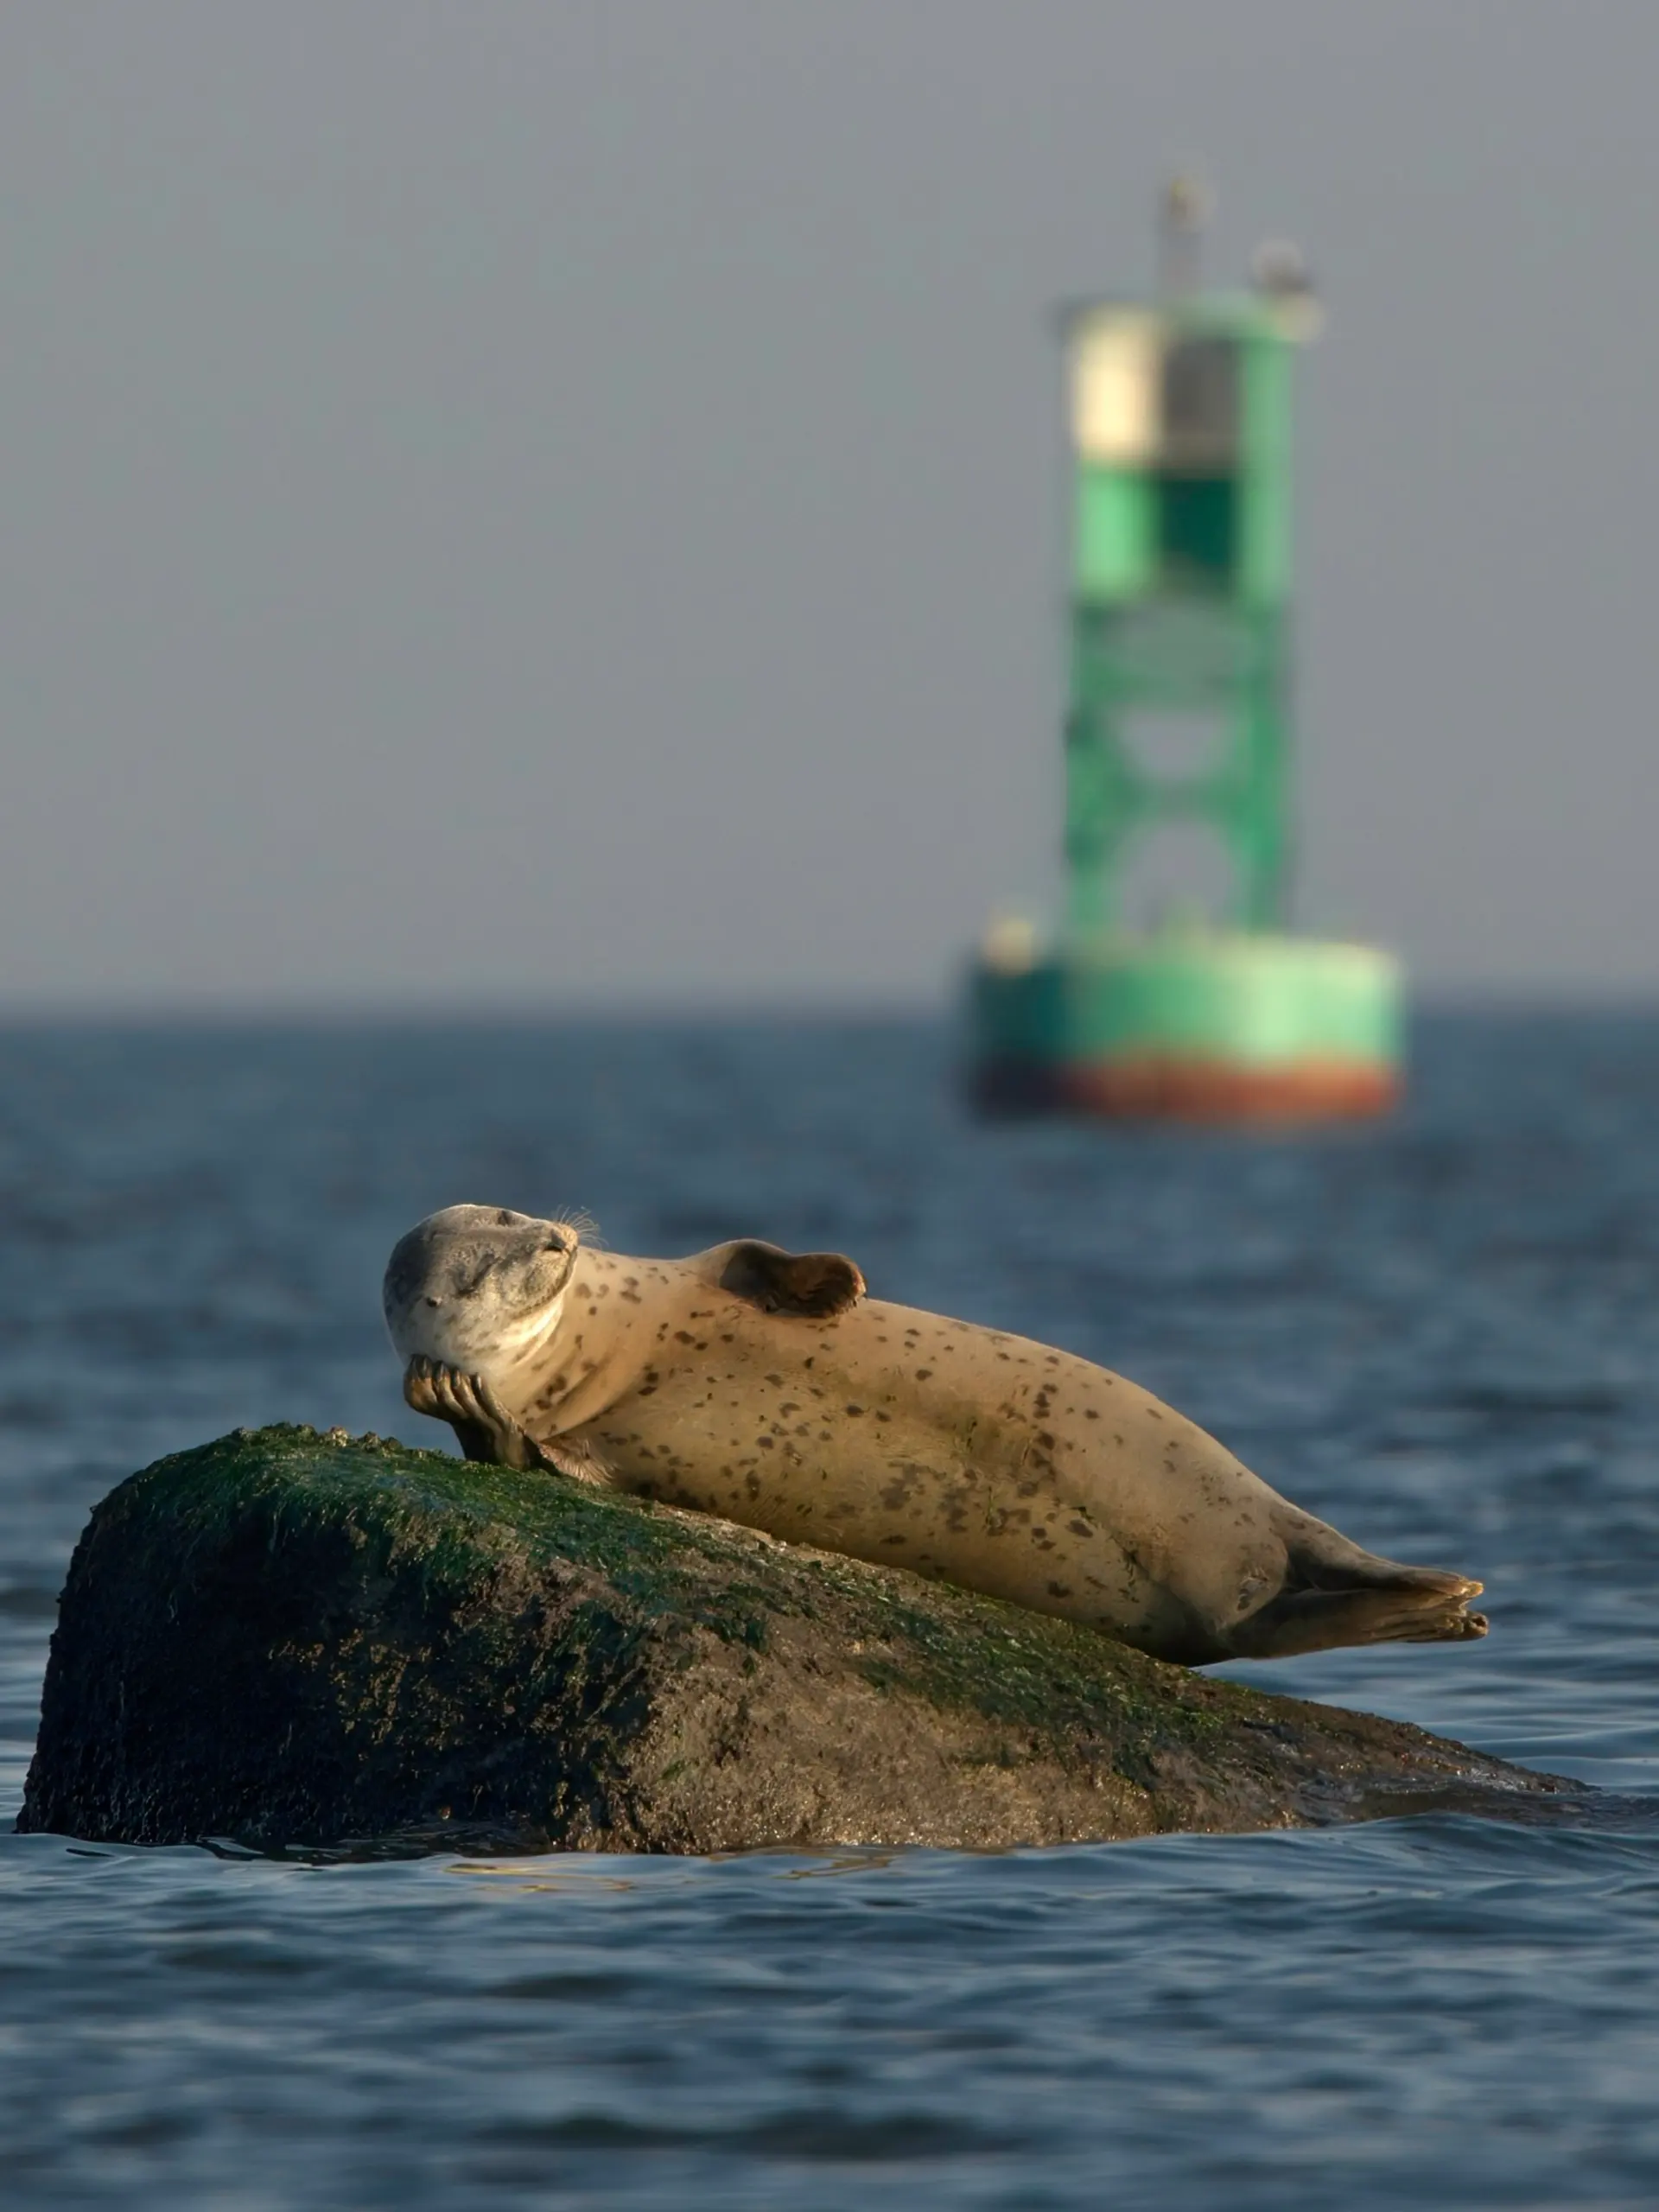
x=516 y=1346
x=568 y=1371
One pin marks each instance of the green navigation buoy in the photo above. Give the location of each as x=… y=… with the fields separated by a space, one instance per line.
x=1180 y=617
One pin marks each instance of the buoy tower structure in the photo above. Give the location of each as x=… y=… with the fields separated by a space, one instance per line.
x=1180 y=613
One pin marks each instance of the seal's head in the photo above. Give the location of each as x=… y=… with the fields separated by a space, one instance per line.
x=474 y=1286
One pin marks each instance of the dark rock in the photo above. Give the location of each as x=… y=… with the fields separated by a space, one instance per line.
x=291 y=1641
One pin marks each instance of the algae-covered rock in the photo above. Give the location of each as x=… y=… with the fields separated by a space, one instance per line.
x=290 y=1640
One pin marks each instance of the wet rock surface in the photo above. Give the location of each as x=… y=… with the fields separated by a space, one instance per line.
x=299 y=1641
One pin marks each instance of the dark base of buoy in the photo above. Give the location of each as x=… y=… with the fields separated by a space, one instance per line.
x=1169 y=1088
x=1190 y=1026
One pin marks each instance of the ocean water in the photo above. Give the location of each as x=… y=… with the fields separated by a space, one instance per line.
x=1443 y=1335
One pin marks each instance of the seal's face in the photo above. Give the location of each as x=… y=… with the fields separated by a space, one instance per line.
x=474 y=1286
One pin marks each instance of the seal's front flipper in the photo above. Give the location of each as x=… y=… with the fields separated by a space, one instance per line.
x=1324 y=1620
x=814 y=1285
x=486 y=1430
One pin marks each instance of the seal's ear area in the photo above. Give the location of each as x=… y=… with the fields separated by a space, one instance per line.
x=814 y=1285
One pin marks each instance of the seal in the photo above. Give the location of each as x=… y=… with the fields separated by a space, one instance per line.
x=766 y=1387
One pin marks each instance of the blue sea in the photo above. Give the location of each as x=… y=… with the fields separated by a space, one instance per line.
x=1443 y=1334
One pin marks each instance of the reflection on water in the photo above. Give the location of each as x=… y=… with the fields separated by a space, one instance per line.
x=1442 y=1335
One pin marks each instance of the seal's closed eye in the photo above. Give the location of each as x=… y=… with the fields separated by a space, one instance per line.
x=813 y=1285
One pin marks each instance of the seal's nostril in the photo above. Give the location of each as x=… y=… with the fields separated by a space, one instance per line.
x=433 y=1302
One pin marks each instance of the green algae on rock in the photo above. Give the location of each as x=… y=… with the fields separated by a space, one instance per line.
x=291 y=1640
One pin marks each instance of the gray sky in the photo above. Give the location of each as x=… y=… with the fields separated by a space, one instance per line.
x=561 y=502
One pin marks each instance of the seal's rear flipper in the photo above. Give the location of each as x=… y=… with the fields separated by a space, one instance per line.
x=814 y=1285
x=1421 y=1610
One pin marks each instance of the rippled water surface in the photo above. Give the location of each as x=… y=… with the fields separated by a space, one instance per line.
x=1442 y=1335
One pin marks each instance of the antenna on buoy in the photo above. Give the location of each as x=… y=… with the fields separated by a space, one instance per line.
x=1183 y=211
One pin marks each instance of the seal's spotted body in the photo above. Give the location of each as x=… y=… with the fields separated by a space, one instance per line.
x=764 y=1387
